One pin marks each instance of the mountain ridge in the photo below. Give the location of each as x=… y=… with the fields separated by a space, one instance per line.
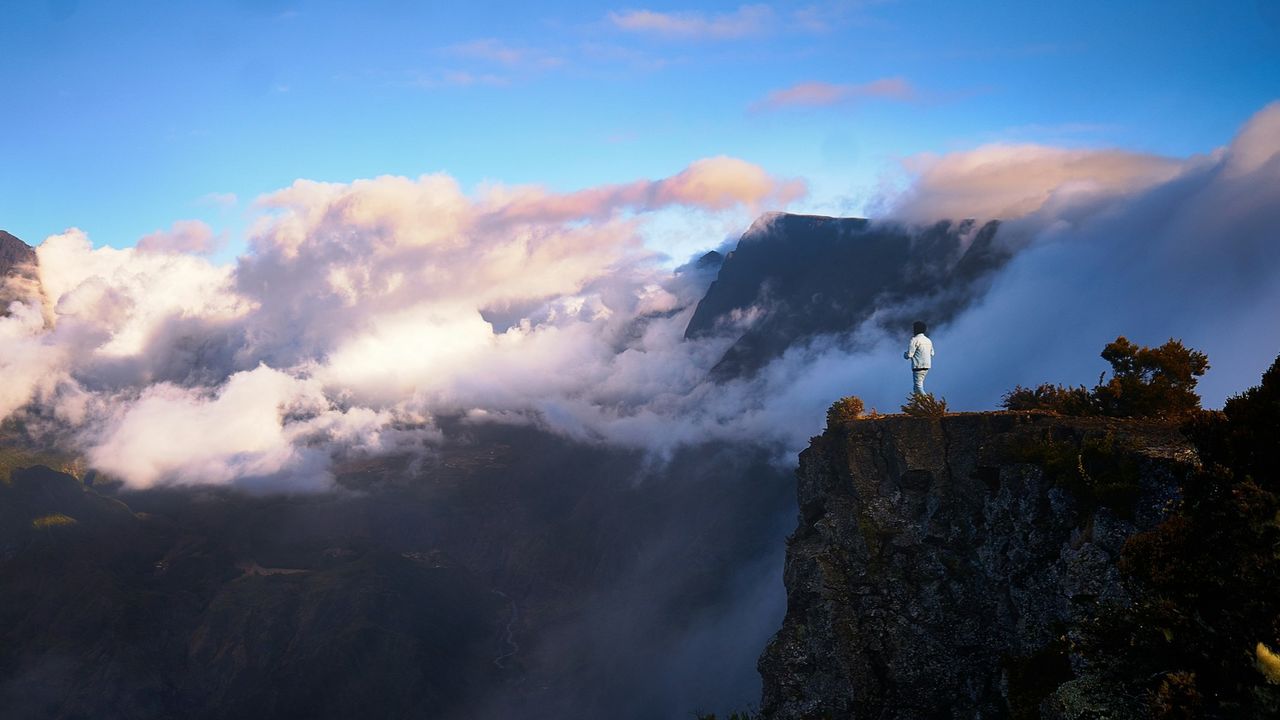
x=19 y=273
x=804 y=276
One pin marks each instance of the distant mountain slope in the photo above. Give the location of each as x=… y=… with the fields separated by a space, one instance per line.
x=810 y=275
x=18 y=277
x=14 y=252
x=108 y=613
x=512 y=573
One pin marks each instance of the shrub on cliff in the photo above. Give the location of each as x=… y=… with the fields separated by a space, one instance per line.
x=925 y=405
x=1145 y=382
x=844 y=410
x=1151 y=382
x=1206 y=581
x=1055 y=398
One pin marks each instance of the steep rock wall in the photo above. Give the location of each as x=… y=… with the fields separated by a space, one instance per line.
x=941 y=567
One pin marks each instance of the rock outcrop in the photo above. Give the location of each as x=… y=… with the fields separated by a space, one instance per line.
x=943 y=567
x=800 y=276
x=19 y=279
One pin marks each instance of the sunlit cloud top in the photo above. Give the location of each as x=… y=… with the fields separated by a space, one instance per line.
x=123 y=118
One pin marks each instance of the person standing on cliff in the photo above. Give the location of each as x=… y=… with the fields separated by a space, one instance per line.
x=920 y=353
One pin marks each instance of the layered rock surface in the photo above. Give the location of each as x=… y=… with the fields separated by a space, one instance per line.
x=941 y=567
x=792 y=278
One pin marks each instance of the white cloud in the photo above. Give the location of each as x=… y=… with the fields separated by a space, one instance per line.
x=260 y=425
x=359 y=303
x=185 y=236
x=363 y=310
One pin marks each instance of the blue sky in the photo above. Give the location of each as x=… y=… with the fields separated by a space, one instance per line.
x=121 y=118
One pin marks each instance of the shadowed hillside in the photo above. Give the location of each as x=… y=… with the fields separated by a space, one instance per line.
x=808 y=275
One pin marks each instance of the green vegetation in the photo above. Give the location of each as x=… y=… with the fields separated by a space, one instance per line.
x=925 y=405
x=1100 y=469
x=1145 y=382
x=52 y=520
x=1055 y=398
x=844 y=410
x=16 y=458
x=1199 y=639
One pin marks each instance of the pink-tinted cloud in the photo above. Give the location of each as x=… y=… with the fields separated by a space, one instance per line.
x=716 y=183
x=497 y=52
x=721 y=182
x=362 y=310
x=185 y=236
x=827 y=15
x=1258 y=142
x=822 y=94
x=746 y=21
x=1009 y=181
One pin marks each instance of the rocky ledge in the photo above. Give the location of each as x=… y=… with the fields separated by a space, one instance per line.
x=942 y=567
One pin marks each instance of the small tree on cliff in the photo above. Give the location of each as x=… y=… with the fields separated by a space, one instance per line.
x=925 y=405
x=1203 y=631
x=1145 y=382
x=844 y=410
x=1151 y=382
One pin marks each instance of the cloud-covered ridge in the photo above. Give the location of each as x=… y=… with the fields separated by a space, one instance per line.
x=363 y=311
x=359 y=311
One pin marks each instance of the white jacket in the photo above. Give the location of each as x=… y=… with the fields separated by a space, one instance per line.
x=920 y=352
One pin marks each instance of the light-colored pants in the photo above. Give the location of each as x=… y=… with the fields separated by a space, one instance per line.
x=918 y=376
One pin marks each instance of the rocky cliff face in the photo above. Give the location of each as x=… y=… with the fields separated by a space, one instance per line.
x=943 y=567
x=19 y=279
x=809 y=275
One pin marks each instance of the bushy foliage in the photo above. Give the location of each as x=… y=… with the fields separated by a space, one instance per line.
x=1206 y=581
x=925 y=405
x=1145 y=382
x=844 y=410
x=1151 y=382
x=1055 y=398
x=44 y=522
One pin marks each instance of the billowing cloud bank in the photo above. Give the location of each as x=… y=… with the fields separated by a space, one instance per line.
x=362 y=311
x=359 y=313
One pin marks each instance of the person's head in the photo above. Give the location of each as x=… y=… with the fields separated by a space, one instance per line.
x=918 y=328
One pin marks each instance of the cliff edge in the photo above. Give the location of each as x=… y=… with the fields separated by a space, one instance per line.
x=944 y=567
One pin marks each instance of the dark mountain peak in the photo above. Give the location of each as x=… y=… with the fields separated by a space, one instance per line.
x=780 y=226
x=19 y=279
x=712 y=259
x=14 y=252
x=808 y=275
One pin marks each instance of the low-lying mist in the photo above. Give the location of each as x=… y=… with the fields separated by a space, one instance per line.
x=358 y=313
x=504 y=377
